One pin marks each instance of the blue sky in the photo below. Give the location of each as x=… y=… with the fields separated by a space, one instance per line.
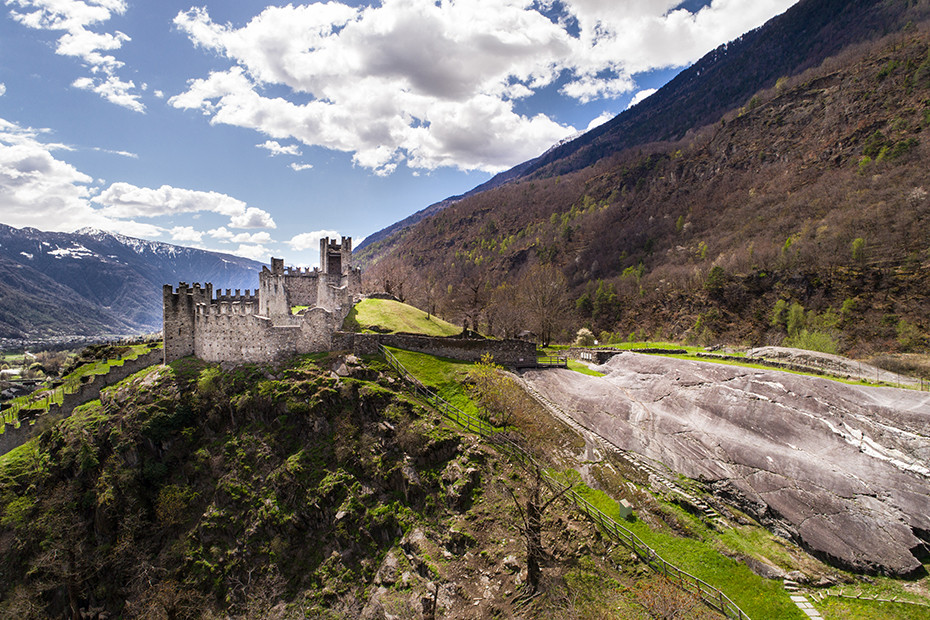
x=256 y=128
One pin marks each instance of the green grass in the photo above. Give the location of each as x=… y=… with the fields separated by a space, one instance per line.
x=445 y=376
x=632 y=346
x=297 y=309
x=583 y=368
x=389 y=316
x=852 y=609
x=758 y=597
x=72 y=381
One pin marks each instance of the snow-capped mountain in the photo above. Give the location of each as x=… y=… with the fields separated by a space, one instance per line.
x=93 y=283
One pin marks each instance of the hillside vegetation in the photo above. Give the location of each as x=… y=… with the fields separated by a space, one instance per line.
x=191 y=492
x=386 y=316
x=800 y=218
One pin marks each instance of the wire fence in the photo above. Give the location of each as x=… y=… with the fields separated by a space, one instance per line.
x=711 y=596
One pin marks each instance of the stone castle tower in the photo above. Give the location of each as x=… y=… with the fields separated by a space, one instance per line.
x=294 y=311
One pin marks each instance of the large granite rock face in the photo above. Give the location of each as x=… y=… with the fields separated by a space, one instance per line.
x=842 y=469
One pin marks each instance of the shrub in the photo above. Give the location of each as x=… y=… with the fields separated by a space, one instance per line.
x=874 y=144
x=858 y=249
x=813 y=341
x=796 y=320
x=584 y=337
x=716 y=280
x=909 y=335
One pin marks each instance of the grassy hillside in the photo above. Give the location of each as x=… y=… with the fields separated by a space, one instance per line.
x=387 y=316
x=191 y=492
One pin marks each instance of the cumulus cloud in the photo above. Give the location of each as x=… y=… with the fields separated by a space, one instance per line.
x=2 y=89
x=274 y=148
x=39 y=190
x=36 y=187
x=643 y=94
x=124 y=200
x=600 y=120
x=186 y=233
x=311 y=240
x=75 y=18
x=299 y=167
x=427 y=84
x=255 y=252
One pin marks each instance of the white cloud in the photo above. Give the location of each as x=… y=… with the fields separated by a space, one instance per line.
x=300 y=167
x=255 y=252
x=643 y=94
x=220 y=233
x=252 y=218
x=311 y=240
x=124 y=200
x=75 y=18
x=277 y=149
x=36 y=188
x=600 y=120
x=430 y=84
x=113 y=90
x=186 y=234
x=254 y=238
x=128 y=154
x=2 y=89
x=39 y=190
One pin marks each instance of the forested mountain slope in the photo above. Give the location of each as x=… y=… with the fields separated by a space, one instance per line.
x=725 y=78
x=804 y=210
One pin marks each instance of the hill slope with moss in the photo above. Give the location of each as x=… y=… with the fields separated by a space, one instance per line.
x=388 y=316
x=189 y=491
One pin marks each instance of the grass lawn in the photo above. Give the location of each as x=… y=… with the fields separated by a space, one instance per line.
x=389 y=316
x=583 y=368
x=444 y=376
x=758 y=597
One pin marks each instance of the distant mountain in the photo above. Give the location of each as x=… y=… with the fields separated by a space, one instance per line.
x=808 y=193
x=92 y=283
x=722 y=80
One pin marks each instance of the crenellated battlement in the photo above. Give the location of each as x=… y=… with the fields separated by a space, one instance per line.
x=248 y=296
x=224 y=308
x=306 y=272
x=196 y=291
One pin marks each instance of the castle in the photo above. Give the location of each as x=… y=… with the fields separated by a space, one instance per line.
x=294 y=311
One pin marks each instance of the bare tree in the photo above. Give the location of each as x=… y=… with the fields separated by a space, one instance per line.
x=542 y=292
x=531 y=529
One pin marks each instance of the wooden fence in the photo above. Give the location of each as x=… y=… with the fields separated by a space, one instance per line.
x=711 y=596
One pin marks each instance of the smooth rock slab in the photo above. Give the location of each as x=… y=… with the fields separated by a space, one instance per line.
x=841 y=469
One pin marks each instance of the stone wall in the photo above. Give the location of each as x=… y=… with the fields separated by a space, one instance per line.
x=252 y=338
x=13 y=437
x=504 y=352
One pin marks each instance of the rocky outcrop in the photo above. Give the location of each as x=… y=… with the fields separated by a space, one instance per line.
x=841 y=469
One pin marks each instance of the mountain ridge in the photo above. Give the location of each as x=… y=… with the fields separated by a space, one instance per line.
x=810 y=195
x=798 y=39
x=93 y=283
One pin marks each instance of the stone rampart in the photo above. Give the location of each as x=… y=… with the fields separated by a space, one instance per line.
x=14 y=437
x=237 y=335
x=504 y=352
